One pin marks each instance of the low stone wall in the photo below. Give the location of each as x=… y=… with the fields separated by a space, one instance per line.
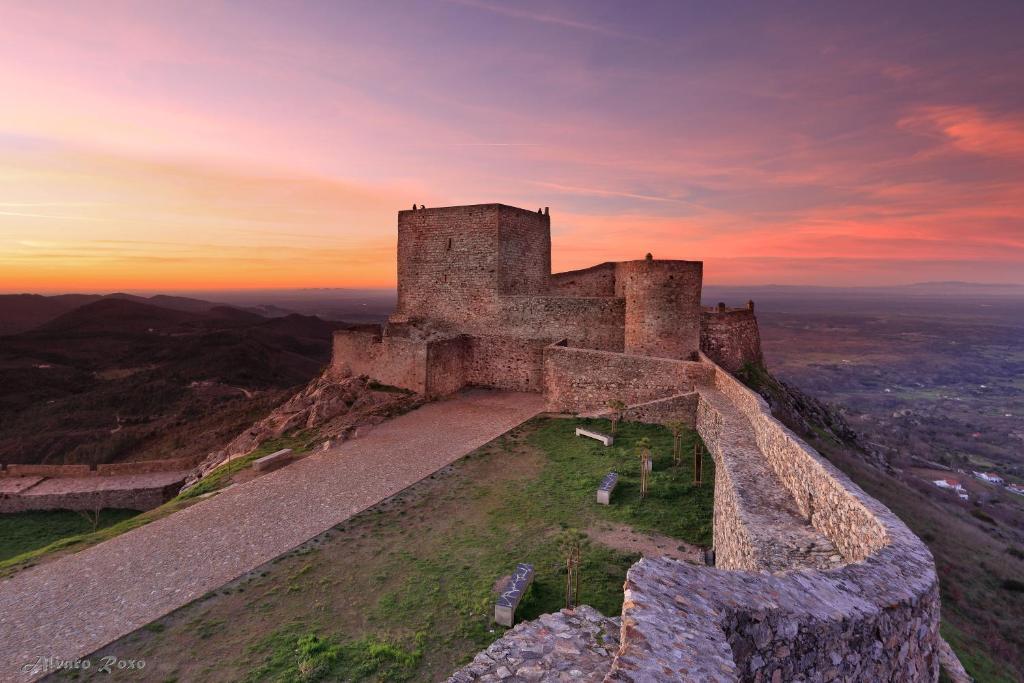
x=103 y=470
x=873 y=616
x=681 y=408
x=833 y=504
x=735 y=548
x=872 y=621
x=130 y=492
x=147 y=466
x=579 y=380
x=16 y=470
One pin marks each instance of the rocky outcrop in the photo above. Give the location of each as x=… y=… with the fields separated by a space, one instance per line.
x=570 y=645
x=335 y=406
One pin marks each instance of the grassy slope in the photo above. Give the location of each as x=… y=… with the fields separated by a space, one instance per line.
x=23 y=532
x=405 y=589
x=65 y=538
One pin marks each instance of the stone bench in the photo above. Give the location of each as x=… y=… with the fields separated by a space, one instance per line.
x=606 y=439
x=607 y=485
x=505 y=607
x=268 y=461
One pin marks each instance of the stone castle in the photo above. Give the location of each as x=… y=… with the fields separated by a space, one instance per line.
x=812 y=579
x=477 y=305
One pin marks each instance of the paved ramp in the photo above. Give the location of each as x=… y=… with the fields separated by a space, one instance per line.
x=73 y=606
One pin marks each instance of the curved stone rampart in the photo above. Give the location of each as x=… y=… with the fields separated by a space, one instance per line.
x=777 y=608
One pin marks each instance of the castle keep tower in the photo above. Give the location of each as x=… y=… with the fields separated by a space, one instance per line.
x=453 y=261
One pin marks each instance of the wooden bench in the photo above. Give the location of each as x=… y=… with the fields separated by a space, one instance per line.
x=604 y=490
x=268 y=461
x=505 y=607
x=606 y=439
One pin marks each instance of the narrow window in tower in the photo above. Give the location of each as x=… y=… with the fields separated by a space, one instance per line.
x=449 y=248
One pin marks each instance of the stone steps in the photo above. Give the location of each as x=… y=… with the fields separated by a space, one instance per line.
x=570 y=645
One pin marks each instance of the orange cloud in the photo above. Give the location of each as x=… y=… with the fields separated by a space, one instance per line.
x=970 y=130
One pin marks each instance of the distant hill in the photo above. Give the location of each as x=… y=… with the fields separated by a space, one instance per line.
x=118 y=315
x=21 y=312
x=120 y=378
x=24 y=312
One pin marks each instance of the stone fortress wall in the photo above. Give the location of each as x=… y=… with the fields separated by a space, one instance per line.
x=484 y=271
x=771 y=609
x=730 y=336
x=813 y=579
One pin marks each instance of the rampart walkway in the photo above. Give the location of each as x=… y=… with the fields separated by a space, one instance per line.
x=72 y=606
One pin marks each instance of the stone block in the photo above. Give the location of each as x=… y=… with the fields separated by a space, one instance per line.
x=606 y=439
x=505 y=606
x=604 y=490
x=275 y=458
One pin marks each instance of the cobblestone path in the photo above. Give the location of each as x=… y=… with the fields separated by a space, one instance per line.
x=72 y=606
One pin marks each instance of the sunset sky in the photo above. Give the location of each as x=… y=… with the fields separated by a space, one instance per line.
x=201 y=145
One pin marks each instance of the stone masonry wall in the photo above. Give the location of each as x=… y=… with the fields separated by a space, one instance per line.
x=735 y=548
x=594 y=322
x=578 y=380
x=130 y=492
x=875 y=621
x=872 y=617
x=505 y=363
x=453 y=261
x=397 y=361
x=662 y=307
x=833 y=504
x=681 y=408
x=447 y=261
x=445 y=368
x=525 y=251
x=730 y=337
x=597 y=280
x=441 y=366
x=101 y=470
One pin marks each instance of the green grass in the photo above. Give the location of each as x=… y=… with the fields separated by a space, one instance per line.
x=406 y=589
x=293 y=656
x=119 y=523
x=674 y=506
x=83 y=540
x=975 y=659
x=24 y=532
x=299 y=442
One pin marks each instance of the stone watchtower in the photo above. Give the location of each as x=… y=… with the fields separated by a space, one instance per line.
x=663 y=311
x=453 y=262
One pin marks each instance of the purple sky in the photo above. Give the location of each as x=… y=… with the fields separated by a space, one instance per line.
x=168 y=144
